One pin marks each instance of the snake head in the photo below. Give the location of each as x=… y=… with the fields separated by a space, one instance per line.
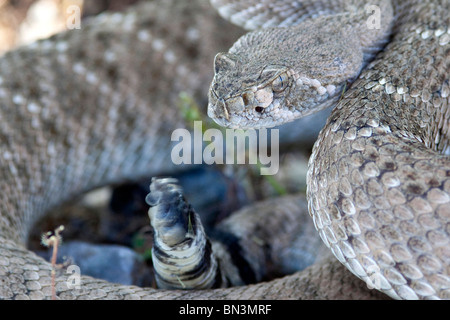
x=240 y=99
x=273 y=95
x=277 y=75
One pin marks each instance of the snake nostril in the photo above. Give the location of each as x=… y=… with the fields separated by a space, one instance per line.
x=259 y=109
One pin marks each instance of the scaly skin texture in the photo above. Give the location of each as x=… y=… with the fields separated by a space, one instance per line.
x=383 y=203
x=378 y=186
x=86 y=110
x=96 y=106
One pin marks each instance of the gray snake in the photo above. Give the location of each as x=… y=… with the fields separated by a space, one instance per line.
x=378 y=181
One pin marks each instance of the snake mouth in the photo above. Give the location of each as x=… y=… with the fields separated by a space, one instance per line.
x=241 y=111
x=254 y=118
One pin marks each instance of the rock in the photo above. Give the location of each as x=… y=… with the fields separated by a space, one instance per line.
x=113 y=263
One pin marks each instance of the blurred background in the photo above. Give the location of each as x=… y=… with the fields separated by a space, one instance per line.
x=24 y=21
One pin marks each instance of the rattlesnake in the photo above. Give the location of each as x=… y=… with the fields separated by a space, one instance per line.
x=50 y=150
x=379 y=202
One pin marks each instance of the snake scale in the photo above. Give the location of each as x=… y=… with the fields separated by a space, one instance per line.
x=378 y=185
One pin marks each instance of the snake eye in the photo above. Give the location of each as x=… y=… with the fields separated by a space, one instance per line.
x=280 y=83
x=259 y=109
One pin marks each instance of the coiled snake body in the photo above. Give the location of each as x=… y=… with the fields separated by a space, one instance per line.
x=378 y=186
